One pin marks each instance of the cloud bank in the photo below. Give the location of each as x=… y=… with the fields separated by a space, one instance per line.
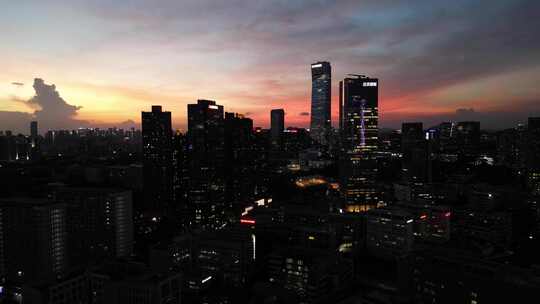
x=51 y=112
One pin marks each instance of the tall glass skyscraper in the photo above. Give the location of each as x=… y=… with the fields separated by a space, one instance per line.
x=358 y=121
x=321 y=101
x=359 y=113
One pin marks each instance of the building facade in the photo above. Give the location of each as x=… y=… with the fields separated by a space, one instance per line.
x=321 y=101
x=157 y=160
x=358 y=112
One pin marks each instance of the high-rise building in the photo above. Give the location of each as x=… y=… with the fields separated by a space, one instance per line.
x=34 y=140
x=206 y=150
x=321 y=101
x=239 y=183
x=33 y=240
x=416 y=149
x=468 y=137
x=34 y=129
x=99 y=222
x=157 y=160
x=411 y=134
x=358 y=112
x=277 y=125
x=532 y=154
x=180 y=177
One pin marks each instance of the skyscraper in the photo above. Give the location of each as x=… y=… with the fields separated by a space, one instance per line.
x=468 y=137
x=180 y=178
x=206 y=153
x=34 y=140
x=416 y=149
x=532 y=154
x=277 y=125
x=157 y=160
x=33 y=129
x=358 y=112
x=321 y=101
x=239 y=183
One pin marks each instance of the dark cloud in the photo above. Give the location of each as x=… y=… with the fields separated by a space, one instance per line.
x=466 y=112
x=304 y=114
x=19 y=84
x=52 y=107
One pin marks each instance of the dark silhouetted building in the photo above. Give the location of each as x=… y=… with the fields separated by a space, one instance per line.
x=412 y=133
x=99 y=223
x=33 y=240
x=34 y=129
x=131 y=283
x=34 y=141
x=206 y=153
x=180 y=177
x=467 y=137
x=444 y=275
x=239 y=182
x=157 y=160
x=321 y=101
x=277 y=125
x=416 y=147
x=532 y=154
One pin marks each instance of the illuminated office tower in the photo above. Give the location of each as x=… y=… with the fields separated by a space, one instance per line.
x=321 y=101
x=277 y=125
x=358 y=112
x=206 y=154
x=157 y=160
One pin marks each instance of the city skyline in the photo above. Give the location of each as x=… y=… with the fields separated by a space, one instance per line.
x=269 y=151
x=134 y=56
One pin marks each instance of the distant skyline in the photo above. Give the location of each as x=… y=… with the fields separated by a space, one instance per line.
x=435 y=60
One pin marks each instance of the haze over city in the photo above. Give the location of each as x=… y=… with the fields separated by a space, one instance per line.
x=436 y=60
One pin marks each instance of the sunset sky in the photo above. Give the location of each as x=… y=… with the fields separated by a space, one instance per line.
x=435 y=60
